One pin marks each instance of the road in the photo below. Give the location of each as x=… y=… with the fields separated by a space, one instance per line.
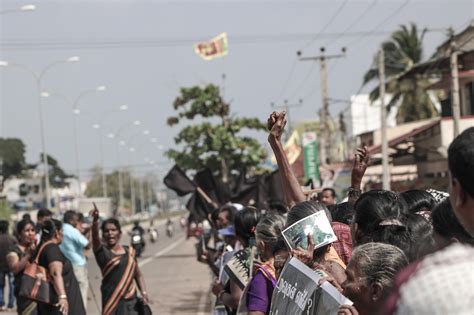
x=176 y=282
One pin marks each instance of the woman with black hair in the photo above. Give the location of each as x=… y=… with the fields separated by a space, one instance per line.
x=380 y=216
x=119 y=268
x=446 y=226
x=60 y=271
x=325 y=257
x=17 y=260
x=239 y=268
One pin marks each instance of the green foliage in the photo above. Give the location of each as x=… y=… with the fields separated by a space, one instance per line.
x=12 y=153
x=402 y=52
x=94 y=187
x=56 y=173
x=216 y=142
x=5 y=210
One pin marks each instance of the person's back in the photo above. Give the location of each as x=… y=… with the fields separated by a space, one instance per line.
x=443 y=282
x=6 y=243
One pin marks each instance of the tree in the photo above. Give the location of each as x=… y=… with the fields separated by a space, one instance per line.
x=402 y=52
x=12 y=157
x=215 y=143
x=56 y=173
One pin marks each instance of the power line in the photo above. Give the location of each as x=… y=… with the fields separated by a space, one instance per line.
x=305 y=80
x=163 y=43
x=288 y=78
x=333 y=17
x=354 y=23
x=388 y=18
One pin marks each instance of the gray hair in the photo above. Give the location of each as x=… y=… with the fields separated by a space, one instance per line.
x=379 y=263
x=269 y=228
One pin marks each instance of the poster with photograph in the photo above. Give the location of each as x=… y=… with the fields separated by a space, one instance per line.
x=316 y=224
x=297 y=292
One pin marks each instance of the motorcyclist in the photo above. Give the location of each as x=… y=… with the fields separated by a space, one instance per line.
x=138 y=228
x=169 y=227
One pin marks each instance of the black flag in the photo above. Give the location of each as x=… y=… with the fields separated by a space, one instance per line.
x=177 y=180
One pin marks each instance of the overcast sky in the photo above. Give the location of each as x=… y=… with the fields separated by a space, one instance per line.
x=143 y=52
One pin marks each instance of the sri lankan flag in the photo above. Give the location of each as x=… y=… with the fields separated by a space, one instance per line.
x=215 y=48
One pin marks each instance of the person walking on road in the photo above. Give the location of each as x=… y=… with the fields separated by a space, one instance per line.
x=73 y=246
x=6 y=242
x=120 y=271
x=18 y=258
x=61 y=273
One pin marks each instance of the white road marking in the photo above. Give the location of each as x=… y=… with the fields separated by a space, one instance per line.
x=161 y=252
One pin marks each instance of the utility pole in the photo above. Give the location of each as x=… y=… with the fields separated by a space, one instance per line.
x=287 y=108
x=455 y=101
x=325 y=139
x=383 y=122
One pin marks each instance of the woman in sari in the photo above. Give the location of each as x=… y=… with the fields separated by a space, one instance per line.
x=120 y=271
x=17 y=260
x=238 y=269
x=261 y=286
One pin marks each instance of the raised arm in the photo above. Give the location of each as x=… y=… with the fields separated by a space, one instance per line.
x=361 y=161
x=96 y=244
x=293 y=192
x=17 y=265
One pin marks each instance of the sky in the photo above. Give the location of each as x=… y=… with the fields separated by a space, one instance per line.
x=142 y=51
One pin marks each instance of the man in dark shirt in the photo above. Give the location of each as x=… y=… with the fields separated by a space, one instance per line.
x=6 y=243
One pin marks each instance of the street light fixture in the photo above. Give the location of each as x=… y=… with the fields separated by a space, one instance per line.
x=38 y=80
x=28 y=7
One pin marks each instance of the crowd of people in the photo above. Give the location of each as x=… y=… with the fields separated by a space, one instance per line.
x=62 y=250
x=395 y=253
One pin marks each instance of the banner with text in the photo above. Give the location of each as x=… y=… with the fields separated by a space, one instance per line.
x=310 y=149
x=298 y=292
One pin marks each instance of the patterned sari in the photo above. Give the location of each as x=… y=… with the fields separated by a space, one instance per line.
x=118 y=272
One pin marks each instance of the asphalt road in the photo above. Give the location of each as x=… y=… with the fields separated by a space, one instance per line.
x=176 y=282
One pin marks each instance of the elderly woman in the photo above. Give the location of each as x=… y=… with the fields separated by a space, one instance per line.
x=370 y=277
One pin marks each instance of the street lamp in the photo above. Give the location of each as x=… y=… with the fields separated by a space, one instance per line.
x=23 y=8
x=38 y=77
x=74 y=103
x=98 y=126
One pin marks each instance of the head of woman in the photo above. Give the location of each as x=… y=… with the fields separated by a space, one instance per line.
x=25 y=229
x=111 y=232
x=370 y=275
x=380 y=216
x=245 y=224
x=446 y=226
x=52 y=230
x=304 y=209
x=418 y=200
x=281 y=255
x=421 y=235
x=268 y=231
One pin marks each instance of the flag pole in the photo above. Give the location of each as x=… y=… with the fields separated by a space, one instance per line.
x=206 y=197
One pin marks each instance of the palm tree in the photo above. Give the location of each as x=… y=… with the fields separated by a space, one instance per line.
x=402 y=52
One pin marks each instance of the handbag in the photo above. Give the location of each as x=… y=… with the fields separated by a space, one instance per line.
x=142 y=308
x=35 y=282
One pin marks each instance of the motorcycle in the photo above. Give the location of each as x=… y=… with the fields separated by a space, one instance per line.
x=137 y=242
x=153 y=235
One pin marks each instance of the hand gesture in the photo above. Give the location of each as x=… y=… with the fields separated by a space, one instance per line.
x=276 y=124
x=31 y=249
x=63 y=306
x=145 y=298
x=217 y=288
x=305 y=255
x=361 y=161
x=94 y=213
x=347 y=310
